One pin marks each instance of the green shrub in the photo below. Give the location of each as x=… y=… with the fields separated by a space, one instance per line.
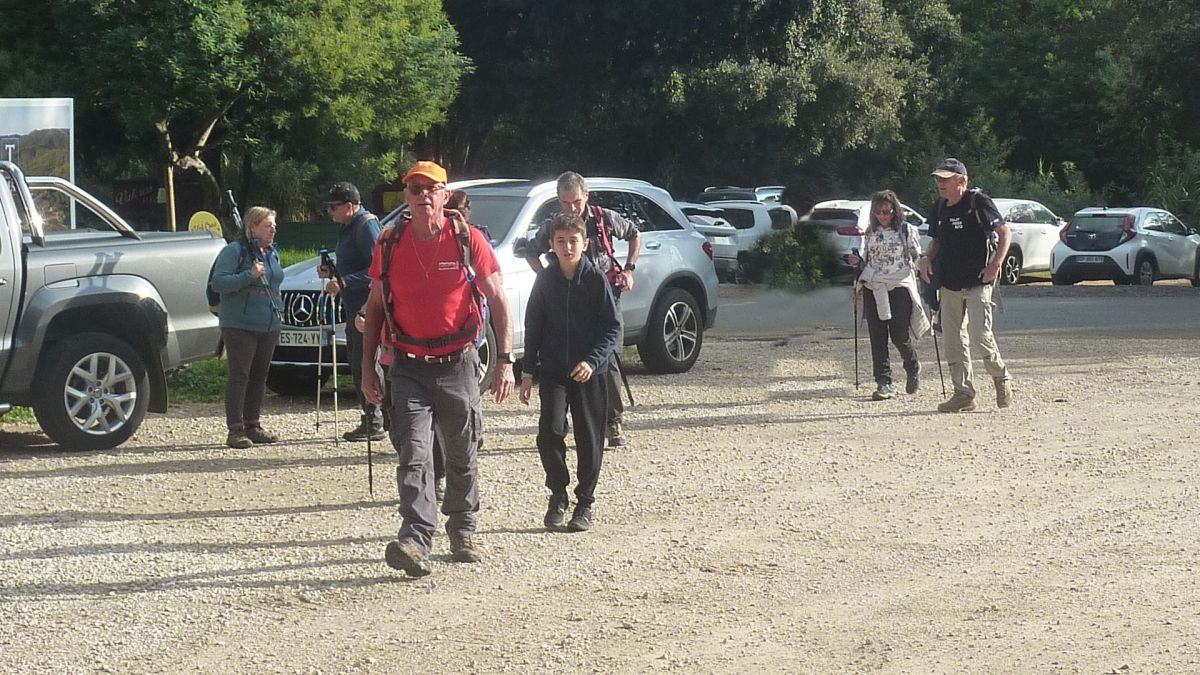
x=798 y=260
x=203 y=381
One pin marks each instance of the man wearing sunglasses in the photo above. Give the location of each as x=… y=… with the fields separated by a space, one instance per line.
x=359 y=230
x=423 y=304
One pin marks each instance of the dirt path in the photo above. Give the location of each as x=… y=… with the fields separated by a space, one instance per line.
x=767 y=517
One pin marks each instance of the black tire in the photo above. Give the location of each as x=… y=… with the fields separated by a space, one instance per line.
x=1145 y=271
x=92 y=392
x=487 y=357
x=674 y=334
x=297 y=380
x=1010 y=269
x=1061 y=280
x=1196 y=272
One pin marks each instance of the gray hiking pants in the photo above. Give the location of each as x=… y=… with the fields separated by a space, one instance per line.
x=446 y=394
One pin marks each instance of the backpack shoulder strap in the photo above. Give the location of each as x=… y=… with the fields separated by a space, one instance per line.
x=605 y=238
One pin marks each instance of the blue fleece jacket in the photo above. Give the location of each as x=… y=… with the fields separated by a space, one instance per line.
x=568 y=321
x=248 y=303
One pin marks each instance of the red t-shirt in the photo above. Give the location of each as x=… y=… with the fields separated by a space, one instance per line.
x=430 y=296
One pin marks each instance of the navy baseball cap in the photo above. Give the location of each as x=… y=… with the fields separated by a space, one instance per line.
x=344 y=192
x=950 y=168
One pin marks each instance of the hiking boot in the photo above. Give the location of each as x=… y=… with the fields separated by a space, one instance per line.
x=407 y=556
x=1003 y=392
x=883 y=392
x=912 y=383
x=238 y=439
x=365 y=430
x=959 y=402
x=439 y=489
x=257 y=435
x=615 y=438
x=463 y=548
x=581 y=520
x=556 y=511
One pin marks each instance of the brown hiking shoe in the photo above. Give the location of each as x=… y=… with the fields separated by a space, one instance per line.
x=407 y=556
x=463 y=548
x=257 y=435
x=238 y=439
x=1003 y=392
x=959 y=402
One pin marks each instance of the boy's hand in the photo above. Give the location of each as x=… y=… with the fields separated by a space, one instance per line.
x=526 y=389
x=582 y=372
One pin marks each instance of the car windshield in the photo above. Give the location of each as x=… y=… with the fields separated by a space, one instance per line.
x=495 y=212
x=742 y=219
x=1100 y=223
x=834 y=214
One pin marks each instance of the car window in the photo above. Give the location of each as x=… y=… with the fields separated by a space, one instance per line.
x=1153 y=223
x=911 y=217
x=742 y=219
x=1042 y=214
x=1171 y=224
x=545 y=212
x=834 y=214
x=1099 y=223
x=497 y=213
x=1020 y=213
x=641 y=210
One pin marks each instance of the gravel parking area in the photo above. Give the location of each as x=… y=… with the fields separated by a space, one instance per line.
x=766 y=516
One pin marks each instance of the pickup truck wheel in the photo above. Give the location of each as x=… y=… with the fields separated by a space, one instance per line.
x=674 y=334
x=297 y=381
x=93 y=392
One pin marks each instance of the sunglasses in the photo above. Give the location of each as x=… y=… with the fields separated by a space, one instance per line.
x=421 y=188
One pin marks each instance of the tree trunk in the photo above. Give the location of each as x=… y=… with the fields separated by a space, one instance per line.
x=171 y=196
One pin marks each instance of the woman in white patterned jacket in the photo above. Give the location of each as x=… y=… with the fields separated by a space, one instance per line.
x=887 y=286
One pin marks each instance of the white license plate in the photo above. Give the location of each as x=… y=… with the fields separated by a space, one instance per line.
x=1090 y=258
x=302 y=338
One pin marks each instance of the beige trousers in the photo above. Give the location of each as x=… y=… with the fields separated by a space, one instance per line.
x=967 y=325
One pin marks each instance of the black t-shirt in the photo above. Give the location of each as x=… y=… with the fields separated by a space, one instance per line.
x=962 y=232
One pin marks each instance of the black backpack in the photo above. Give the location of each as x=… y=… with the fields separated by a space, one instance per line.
x=214 y=298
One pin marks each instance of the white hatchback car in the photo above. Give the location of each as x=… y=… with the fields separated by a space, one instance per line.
x=709 y=220
x=1135 y=245
x=754 y=220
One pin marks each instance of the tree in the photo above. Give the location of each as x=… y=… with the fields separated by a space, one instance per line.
x=198 y=73
x=684 y=92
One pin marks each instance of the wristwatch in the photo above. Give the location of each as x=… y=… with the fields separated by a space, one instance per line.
x=506 y=357
x=629 y=267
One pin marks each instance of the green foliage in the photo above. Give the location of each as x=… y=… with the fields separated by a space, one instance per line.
x=799 y=260
x=291 y=256
x=200 y=382
x=18 y=415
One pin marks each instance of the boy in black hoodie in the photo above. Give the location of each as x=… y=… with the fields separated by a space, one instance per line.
x=571 y=330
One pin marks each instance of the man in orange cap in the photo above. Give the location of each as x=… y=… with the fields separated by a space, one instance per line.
x=428 y=272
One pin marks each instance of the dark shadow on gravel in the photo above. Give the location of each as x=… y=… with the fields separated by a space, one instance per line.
x=34 y=445
x=771 y=418
x=518 y=530
x=61 y=518
x=192 y=466
x=202 y=547
x=203 y=581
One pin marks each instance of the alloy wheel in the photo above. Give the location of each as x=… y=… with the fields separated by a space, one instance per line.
x=100 y=394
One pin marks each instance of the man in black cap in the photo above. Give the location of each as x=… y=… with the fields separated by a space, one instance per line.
x=966 y=225
x=355 y=247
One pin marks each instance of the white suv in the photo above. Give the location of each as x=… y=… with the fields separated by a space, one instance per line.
x=1128 y=245
x=674 y=299
x=844 y=221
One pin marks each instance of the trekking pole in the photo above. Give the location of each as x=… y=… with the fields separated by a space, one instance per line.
x=333 y=353
x=934 y=328
x=854 y=308
x=624 y=379
x=320 y=358
x=370 y=467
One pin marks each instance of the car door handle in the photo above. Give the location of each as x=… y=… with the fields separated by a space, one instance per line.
x=653 y=245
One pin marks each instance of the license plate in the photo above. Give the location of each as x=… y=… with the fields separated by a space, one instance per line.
x=302 y=338
x=1090 y=258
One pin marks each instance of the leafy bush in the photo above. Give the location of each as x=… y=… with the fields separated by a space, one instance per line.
x=203 y=381
x=795 y=260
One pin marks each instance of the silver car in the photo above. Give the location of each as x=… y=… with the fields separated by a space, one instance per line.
x=674 y=299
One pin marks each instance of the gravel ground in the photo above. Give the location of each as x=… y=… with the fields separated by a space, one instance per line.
x=767 y=516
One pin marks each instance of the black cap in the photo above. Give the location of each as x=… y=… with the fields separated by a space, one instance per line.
x=344 y=192
x=950 y=168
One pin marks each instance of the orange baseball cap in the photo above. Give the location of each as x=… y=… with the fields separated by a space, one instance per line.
x=430 y=170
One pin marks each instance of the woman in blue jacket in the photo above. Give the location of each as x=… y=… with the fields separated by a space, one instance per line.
x=247 y=274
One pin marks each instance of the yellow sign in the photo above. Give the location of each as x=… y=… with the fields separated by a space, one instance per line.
x=203 y=220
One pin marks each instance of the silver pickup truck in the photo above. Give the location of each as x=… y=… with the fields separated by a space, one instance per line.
x=93 y=313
